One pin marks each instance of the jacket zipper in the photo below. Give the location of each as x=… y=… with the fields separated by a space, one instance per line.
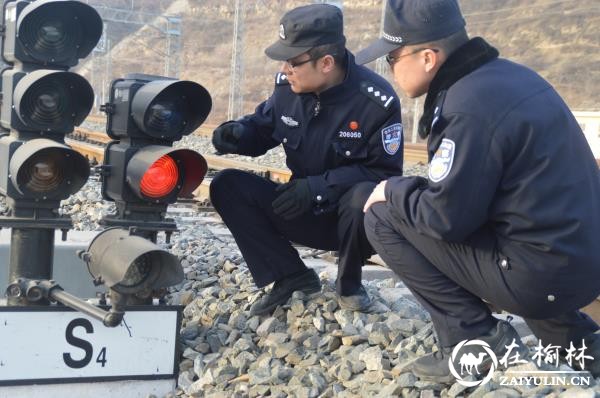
x=317 y=107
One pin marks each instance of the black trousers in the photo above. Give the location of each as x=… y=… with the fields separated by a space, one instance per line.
x=243 y=201
x=450 y=280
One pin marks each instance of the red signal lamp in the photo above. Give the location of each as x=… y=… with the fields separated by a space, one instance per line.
x=160 y=179
x=161 y=174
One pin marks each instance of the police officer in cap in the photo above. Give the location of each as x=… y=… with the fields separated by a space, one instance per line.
x=340 y=127
x=510 y=211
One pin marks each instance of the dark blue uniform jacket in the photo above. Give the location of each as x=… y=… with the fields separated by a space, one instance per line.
x=349 y=133
x=508 y=158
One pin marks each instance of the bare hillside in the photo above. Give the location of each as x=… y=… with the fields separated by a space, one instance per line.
x=559 y=39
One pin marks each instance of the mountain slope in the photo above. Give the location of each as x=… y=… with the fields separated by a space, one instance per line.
x=560 y=39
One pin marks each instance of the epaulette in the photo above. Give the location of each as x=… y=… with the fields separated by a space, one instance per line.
x=281 y=79
x=376 y=94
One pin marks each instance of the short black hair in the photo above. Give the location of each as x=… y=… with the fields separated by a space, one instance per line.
x=336 y=50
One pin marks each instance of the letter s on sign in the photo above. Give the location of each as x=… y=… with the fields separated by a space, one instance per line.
x=80 y=343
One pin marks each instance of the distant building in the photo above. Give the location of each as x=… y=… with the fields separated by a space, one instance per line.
x=590 y=124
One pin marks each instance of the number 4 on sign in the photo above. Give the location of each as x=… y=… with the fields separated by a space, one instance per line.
x=101 y=358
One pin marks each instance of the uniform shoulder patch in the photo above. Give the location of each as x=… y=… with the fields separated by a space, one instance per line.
x=281 y=79
x=441 y=164
x=379 y=96
x=391 y=136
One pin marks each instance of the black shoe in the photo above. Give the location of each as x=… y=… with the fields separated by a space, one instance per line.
x=358 y=301
x=307 y=282
x=470 y=359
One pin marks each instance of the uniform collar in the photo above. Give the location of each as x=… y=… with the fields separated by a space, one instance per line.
x=467 y=58
x=335 y=93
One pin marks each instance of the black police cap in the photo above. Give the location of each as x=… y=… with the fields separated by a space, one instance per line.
x=306 y=27
x=409 y=22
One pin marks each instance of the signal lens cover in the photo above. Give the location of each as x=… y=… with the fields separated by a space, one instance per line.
x=58 y=32
x=53 y=101
x=43 y=172
x=47 y=104
x=138 y=272
x=46 y=169
x=166 y=117
x=168 y=109
x=161 y=178
x=51 y=36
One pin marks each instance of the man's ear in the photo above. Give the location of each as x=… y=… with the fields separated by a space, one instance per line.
x=328 y=63
x=432 y=59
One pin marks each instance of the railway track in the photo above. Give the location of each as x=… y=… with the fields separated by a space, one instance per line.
x=91 y=144
x=413 y=153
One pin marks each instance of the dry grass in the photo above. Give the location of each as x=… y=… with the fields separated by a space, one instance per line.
x=559 y=39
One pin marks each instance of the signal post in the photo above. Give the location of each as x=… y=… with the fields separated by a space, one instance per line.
x=142 y=173
x=43 y=346
x=41 y=102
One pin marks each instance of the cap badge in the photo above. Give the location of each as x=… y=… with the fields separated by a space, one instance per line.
x=282 y=32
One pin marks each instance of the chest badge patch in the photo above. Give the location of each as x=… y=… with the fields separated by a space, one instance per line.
x=392 y=138
x=289 y=121
x=281 y=79
x=441 y=164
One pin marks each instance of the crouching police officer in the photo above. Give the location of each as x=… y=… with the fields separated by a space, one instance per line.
x=340 y=126
x=510 y=212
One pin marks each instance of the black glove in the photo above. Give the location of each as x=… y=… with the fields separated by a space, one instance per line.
x=227 y=136
x=295 y=198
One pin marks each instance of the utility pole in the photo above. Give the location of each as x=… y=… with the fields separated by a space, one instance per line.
x=102 y=47
x=172 y=30
x=173 y=46
x=234 y=109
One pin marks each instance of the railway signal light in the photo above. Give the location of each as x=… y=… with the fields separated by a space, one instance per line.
x=41 y=101
x=142 y=172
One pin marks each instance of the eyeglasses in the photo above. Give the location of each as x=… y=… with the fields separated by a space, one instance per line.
x=392 y=60
x=294 y=64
